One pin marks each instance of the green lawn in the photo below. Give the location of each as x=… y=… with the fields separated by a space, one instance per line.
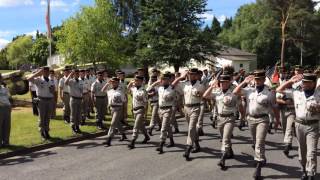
x=24 y=127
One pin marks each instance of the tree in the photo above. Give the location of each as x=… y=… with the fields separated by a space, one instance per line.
x=227 y=23
x=18 y=51
x=4 y=64
x=170 y=32
x=39 y=52
x=93 y=35
x=215 y=27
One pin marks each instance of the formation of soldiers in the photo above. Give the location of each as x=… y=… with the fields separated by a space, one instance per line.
x=293 y=102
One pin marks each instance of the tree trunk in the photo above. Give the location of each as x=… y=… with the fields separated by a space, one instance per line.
x=176 y=67
x=283 y=44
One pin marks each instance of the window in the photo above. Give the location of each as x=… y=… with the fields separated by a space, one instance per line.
x=241 y=65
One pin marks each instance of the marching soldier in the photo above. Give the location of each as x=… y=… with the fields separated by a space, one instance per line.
x=226 y=103
x=123 y=87
x=175 y=106
x=261 y=102
x=167 y=96
x=86 y=96
x=287 y=117
x=193 y=91
x=5 y=115
x=64 y=95
x=153 y=99
x=76 y=95
x=46 y=91
x=92 y=78
x=99 y=98
x=139 y=101
x=307 y=111
x=116 y=99
x=34 y=97
x=55 y=99
x=202 y=107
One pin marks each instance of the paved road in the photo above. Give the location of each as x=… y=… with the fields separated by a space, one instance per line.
x=90 y=159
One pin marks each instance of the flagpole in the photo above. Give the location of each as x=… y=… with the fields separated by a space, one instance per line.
x=48 y=21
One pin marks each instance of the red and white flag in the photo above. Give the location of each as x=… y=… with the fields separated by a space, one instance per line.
x=48 y=23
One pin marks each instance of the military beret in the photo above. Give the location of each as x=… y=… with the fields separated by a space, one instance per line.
x=76 y=70
x=193 y=71
x=139 y=78
x=298 y=67
x=154 y=77
x=82 y=70
x=115 y=79
x=166 y=76
x=225 y=77
x=259 y=74
x=46 y=68
x=309 y=77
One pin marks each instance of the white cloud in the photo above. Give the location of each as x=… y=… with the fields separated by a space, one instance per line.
x=60 y=4
x=318 y=5
x=33 y=33
x=222 y=18
x=3 y=43
x=5 y=34
x=206 y=16
x=12 y=3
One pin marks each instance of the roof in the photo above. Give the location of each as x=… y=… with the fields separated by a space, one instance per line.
x=230 y=51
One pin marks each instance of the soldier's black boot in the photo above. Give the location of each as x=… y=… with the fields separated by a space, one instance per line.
x=74 y=130
x=43 y=135
x=47 y=134
x=257 y=172
x=304 y=173
x=286 y=150
x=241 y=125
x=311 y=178
x=150 y=131
x=146 y=138
x=270 y=128
x=123 y=137
x=160 y=148
x=171 y=143
x=108 y=142
x=197 y=147
x=186 y=154
x=230 y=153
x=78 y=129
x=222 y=161
x=200 y=132
x=131 y=145
x=176 y=130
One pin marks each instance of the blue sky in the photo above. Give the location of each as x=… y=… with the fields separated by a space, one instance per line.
x=27 y=16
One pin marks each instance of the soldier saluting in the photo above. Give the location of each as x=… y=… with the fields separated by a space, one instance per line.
x=116 y=99
x=167 y=97
x=76 y=94
x=307 y=111
x=139 y=99
x=260 y=102
x=46 y=91
x=226 y=103
x=193 y=91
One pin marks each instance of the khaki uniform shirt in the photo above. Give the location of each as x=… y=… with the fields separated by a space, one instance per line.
x=76 y=88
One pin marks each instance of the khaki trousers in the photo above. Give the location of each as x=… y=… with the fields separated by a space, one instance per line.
x=192 y=116
x=307 y=136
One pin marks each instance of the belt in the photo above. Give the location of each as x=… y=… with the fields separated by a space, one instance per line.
x=138 y=108
x=86 y=93
x=76 y=97
x=165 y=107
x=259 y=116
x=45 y=98
x=192 y=105
x=65 y=93
x=226 y=115
x=154 y=101
x=100 y=96
x=115 y=106
x=306 y=122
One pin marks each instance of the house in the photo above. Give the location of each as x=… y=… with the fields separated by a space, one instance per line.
x=226 y=56
x=235 y=57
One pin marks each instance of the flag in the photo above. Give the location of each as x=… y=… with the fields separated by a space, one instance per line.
x=275 y=76
x=48 y=23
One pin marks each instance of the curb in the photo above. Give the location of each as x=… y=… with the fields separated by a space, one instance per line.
x=32 y=149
